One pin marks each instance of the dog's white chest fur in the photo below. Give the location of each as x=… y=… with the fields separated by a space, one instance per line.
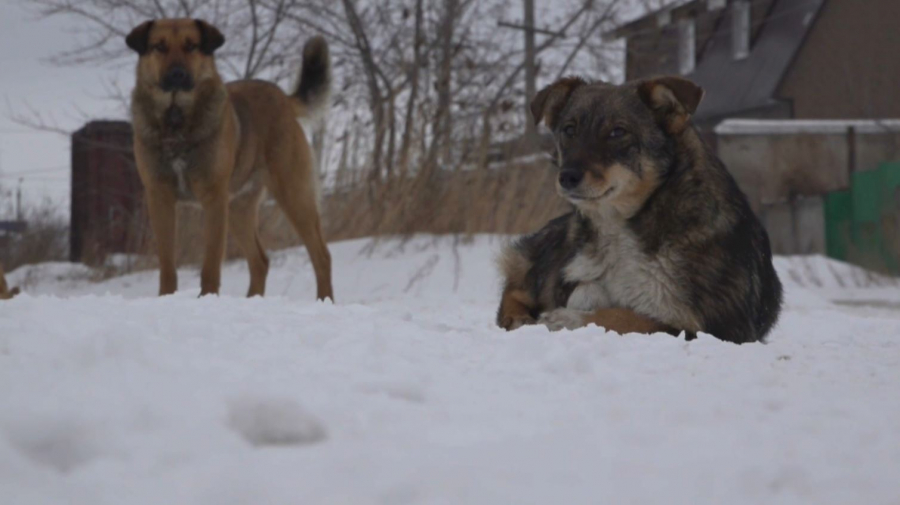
x=179 y=165
x=183 y=189
x=614 y=272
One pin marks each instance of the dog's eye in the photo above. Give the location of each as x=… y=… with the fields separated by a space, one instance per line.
x=617 y=132
x=569 y=130
x=160 y=47
x=190 y=47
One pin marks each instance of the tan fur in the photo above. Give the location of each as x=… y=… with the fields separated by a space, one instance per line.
x=515 y=309
x=623 y=321
x=617 y=319
x=636 y=191
x=629 y=191
x=515 y=303
x=546 y=105
x=674 y=98
x=5 y=292
x=237 y=141
x=513 y=265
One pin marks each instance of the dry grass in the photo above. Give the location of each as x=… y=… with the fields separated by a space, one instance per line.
x=45 y=239
x=510 y=200
x=515 y=199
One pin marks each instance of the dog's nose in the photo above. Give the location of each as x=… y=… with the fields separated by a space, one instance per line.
x=177 y=78
x=570 y=178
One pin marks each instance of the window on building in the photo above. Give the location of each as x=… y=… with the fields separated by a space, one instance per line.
x=712 y=5
x=687 y=55
x=740 y=29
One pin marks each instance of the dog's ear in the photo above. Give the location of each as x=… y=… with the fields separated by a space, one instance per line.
x=210 y=37
x=673 y=100
x=139 y=38
x=549 y=102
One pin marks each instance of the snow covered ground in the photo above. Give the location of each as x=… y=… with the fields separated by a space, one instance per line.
x=405 y=393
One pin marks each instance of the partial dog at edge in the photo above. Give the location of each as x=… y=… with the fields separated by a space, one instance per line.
x=224 y=145
x=661 y=238
x=5 y=292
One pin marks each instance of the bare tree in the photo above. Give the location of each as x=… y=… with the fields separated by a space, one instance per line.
x=453 y=72
x=415 y=69
x=440 y=130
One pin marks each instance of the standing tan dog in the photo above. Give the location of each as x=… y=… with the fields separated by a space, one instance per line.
x=223 y=145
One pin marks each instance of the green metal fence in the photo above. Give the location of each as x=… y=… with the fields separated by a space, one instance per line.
x=861 y=224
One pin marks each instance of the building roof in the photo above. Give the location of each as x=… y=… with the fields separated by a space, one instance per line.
x=806 y=126
x=750 y=83
x=634 y=16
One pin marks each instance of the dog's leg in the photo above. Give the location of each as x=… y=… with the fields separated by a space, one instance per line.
x=619 y=320
x=161 y=207
x=297 y=198
x=244 y=226
x=5 y=293
x=517 y=305
x=311 y=233
x=304 y=216
x=624 y=321
x=515 y=309
x=215 y=227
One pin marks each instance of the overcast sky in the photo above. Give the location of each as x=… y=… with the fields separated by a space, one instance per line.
x=62 y=94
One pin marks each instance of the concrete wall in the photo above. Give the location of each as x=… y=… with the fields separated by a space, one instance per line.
x=785 y=168
x=797 y=226
x=774 y=168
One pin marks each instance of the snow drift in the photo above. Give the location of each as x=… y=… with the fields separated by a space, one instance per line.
x=405 y=392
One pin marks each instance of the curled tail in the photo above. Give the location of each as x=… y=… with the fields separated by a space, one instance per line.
x=313 y=92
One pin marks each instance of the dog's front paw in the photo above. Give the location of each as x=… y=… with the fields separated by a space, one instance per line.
x=559 y=319
x=510 y=323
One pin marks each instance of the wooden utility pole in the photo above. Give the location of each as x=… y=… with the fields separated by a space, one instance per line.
x=530 y=63
x=530 y=67
x=19 y=201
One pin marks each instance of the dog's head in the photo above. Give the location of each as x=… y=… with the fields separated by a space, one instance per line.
x=175 y=54
x=612 y=140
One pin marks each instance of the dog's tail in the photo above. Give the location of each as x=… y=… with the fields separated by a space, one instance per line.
x=312 y=96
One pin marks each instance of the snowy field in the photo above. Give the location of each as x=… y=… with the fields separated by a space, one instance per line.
x=406 y=393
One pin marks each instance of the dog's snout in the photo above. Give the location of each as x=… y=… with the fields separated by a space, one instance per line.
x=177 y=77
x=570 y=178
